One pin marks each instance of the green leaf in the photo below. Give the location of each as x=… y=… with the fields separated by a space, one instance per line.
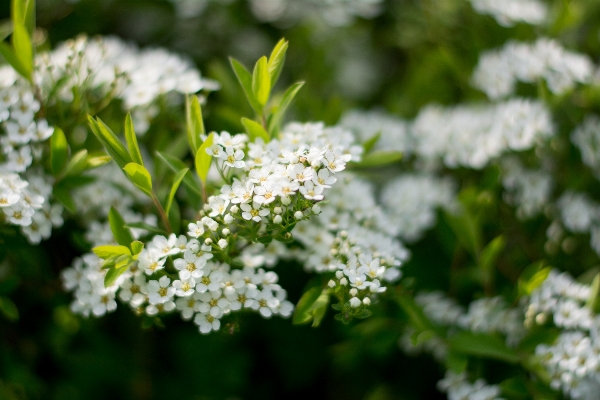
x=255 y=130
x=378 y=158
x=136 y=247
x=23 y=48
x=77 y=164
x=107 y=251
x=245 y=80
x=122 y=235
x=176 y=182
x=121 y=266
x=59 y=151
x=302 y=313
x=371 y=142
x=532 y=277
x=276 y=60
x=14 y=61
x=9 y=309
x=261 y=81
x=319 y=308
x=23 y=12
x=139 y=176
x=488 y=256
x=109 y=140
x=132 y=143
x=482 y=345
x=203 y=159
x=94 y=161
x=146 y=227
x=63 y=195
x=277 y=116
x=195 y=123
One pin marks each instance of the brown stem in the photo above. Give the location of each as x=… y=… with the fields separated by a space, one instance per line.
x=162 y=213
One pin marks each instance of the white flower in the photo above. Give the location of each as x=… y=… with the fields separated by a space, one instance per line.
x=207 y=323
x=254 y=212
x=211 y=282
x=184 y=287
x=159 y=291
x=190 y=265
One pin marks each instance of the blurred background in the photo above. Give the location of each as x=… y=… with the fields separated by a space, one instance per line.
x=393 y=55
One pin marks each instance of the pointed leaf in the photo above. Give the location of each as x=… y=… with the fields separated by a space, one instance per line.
x=97 y=161
x=139 y=176
x=176 y=182
x=59 y=151
x=276 y=60
x=63 y=195
x=245 y=80
x=23 y=48
x=11 y=57
x=378 y=158
x=482 y=345
x=122 y=235
x=77 y=163
x=136 y=247
x=277 y=116
x=302 y=313
x=108 y=251
x=195 y=123
x=371 y=142
x=190 y=181
x=203 y=159
x=132 y=143
x=109 y=140
x=255 y=130
x=261 y=81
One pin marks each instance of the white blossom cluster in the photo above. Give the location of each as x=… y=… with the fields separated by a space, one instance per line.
x=573 y=359
x=587 y=139
x=526 y=189
x=458 y=387
x=411 y=203
x=25 y=190
x=109 y=68
x=351 y=238
x=509 y=12
x=498 y=71
x=333 y=12
x=470 y=136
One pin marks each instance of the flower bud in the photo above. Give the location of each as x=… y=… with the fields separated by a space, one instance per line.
x=234 y=209
x=331 y=283
x=367 y=301
x=355 y=302
x=285 y=200
x=316 y=209
x=339 y=274
x=353 y=292
x=222 y=243
x=208 y=241
x=228 y=219
x=277 y=210
x=226 y=232
x=343 y=281
x=277 y=219
x=298 y=215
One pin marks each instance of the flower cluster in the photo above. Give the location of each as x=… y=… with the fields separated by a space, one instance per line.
x=587 y=139
x=526 y=189
x=572 y=360
x=470 y=136
x=107 y=68
x=25 y=190
x=394 y=133
x=458 y=387
x=509 y=12
x=411 y=202
x=498 y=71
